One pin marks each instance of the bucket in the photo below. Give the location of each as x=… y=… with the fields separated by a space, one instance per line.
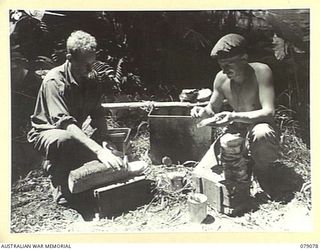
x=177 y=180
x=119 y=137
x=174 y=133
x=197 y=206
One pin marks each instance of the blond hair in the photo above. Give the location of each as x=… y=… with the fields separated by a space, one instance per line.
x=80 y=42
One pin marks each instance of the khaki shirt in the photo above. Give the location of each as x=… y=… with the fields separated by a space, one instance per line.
x=62 y=101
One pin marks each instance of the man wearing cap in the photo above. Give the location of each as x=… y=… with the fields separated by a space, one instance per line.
x=248 y=88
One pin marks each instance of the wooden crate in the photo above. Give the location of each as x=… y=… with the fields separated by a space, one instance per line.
x=116 y=199
x=228 y=197
x=208 y=183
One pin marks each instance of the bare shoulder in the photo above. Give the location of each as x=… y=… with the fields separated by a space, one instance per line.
x=261 y=69
x=220 y=79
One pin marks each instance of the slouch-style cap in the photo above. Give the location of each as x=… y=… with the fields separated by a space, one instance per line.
x=228 y=46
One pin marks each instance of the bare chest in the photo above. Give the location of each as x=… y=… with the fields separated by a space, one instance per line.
x=242 y=97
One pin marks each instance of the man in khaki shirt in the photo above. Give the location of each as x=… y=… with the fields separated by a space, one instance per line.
x=248 y=88
x=68 y=124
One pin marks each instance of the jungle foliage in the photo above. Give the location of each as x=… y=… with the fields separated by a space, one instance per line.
x=163 y=51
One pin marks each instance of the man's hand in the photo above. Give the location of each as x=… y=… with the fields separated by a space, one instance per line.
x=198 y=112
x=109 y=159
x=218 y=120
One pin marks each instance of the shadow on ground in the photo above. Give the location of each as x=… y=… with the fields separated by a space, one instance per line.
x=85 y=204
x=283 y=182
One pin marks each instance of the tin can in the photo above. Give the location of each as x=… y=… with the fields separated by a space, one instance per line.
x=197 y=206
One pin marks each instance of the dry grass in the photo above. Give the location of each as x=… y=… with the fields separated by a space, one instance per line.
x=34 y=211
x=294 y=152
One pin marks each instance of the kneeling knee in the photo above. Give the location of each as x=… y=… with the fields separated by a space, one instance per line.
x=263 y=132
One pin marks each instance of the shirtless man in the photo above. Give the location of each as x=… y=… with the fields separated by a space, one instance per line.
x=248 y=88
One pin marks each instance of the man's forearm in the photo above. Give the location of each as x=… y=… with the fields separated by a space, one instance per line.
x=253 y=116
x=81 y=137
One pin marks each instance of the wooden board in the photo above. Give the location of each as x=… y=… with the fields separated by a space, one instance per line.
x=113 y=200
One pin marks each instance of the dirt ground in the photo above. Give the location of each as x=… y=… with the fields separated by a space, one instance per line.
x=33 y=209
